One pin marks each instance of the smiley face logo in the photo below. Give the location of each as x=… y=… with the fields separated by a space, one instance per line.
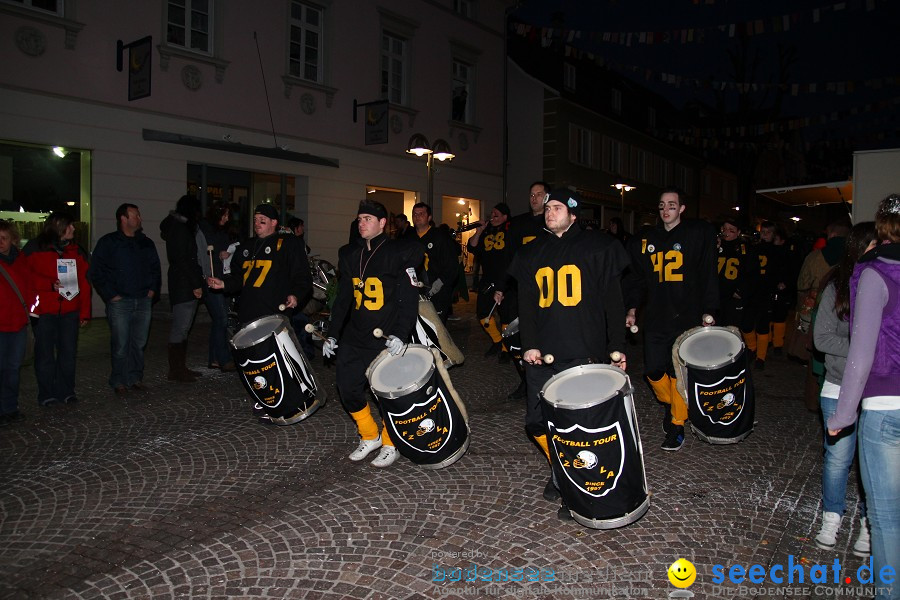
x=682 y=573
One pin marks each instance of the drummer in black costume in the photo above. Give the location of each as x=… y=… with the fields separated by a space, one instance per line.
x=570 y=303
x=489 y=244
x=274 y=270
x=523 y=229
x=441 y=262
x=673 y=267
x=738 y=267
x=377 y=289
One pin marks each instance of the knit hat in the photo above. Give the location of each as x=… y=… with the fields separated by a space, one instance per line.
x=503 y=208
x=567 y=197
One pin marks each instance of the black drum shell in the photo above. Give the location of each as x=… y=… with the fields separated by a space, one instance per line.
x=289 y=385
x=612 y=492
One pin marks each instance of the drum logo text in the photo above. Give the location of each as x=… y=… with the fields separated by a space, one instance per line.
x=591 y=458
x=263 y=377
x=723 y=401
x=425 y=426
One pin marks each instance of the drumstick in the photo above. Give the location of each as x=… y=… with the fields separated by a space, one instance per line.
x=310 y=328
x=615 y=356
x=378 y=332
x=282 y=307
x=633 y=329
x=708 y=319
x=209 y=250
x=487 y=319
x=548 y=358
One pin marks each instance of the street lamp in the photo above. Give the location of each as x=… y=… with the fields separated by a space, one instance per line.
x=622 y=187
x=418 y=145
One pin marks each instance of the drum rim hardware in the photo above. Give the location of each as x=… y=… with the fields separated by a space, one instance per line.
x=579 y=370
x=254 y=327
x=707 y=331
x=408 y=388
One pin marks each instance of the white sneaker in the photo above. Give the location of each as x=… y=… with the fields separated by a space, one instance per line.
x=386 y=457
x=863 y=546
x=365 y=448
x=827 y=537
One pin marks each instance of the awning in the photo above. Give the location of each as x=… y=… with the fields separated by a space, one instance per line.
x=811 y=195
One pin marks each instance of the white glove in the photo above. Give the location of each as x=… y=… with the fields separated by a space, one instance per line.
x=328 y=347
x=436 y=286
x=394 y=345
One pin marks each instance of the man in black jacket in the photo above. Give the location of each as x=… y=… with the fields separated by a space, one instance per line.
x=125 y=271
x=570 y=306
x=377 y=289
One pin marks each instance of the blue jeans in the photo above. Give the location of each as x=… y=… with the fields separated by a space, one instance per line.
x=879 y=461
x=838 y=460
x=219 y=351
x=55 y=342
x=129 y=328
x=12 y=349
x=182 y=319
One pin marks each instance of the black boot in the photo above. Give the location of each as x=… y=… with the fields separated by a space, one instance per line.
x=184 y=365
x=177 y=370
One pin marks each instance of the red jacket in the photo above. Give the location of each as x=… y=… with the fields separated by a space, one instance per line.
x=41 y=267
x=13 y=315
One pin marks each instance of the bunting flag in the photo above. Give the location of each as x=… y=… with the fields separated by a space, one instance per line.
x=840 y=88
x=690 y=35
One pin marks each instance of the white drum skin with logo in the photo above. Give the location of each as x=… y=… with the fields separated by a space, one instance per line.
x=274 y=370
x=716 y=382
x=595 y=445
x=421 y=411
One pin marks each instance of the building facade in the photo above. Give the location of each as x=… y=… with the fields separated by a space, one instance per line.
x=247 y=103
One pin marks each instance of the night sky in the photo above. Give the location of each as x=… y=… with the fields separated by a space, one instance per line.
x=839 y=46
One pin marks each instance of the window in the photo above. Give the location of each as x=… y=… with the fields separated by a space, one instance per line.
x=51 y=6
x=393 y=68
x=651 y=118
x=614 y=155
x=581 y=145
x=569 y=77
x=463 y=7
x=305 y=59
x=616 y=101
x=640 y=165
x=188 y=25
x=462 y=92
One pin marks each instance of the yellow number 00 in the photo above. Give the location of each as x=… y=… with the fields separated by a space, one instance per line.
x=552 y=286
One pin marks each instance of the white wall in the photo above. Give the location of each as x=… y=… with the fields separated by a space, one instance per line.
x=876 y=175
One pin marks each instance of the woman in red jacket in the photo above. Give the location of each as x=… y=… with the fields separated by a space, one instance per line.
x=13 y=320
x=55 y=263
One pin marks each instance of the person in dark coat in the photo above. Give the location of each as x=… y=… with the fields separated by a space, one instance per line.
x=185 y=276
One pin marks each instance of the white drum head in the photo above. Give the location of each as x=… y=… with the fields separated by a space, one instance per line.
x=584 y=386
x=258 y=330
x=710 y=348
x=399 y=375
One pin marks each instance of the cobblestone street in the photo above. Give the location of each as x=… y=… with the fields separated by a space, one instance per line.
x=180 y=492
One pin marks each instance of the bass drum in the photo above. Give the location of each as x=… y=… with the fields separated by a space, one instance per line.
x=422 y=413
x=275 y=371
x=716 y=383
x=595 y=446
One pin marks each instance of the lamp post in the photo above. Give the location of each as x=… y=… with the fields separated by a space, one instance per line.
x=418 y=145
x=623 y=187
